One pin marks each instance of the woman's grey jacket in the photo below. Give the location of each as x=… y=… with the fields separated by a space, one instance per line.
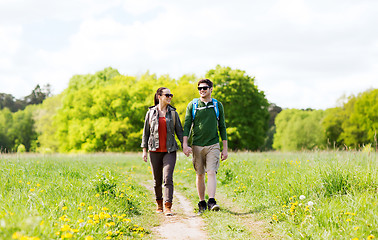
x=150 y=139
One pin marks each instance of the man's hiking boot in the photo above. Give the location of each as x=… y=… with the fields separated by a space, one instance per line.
x=202 y=206
x=159 y=206
x=167 y=211
x=212 y=205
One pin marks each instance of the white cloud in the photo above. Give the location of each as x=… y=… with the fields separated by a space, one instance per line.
x=302 y=53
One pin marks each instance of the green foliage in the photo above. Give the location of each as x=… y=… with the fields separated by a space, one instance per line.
x=354 y=125
x=104 y=112
x=21 y=148
x=336 y=181
x=105 y=183
x=36 y=97
x=246 y=108
x=360 y=128
x=298 y=129
x=46 y=125
x=6 y=121
x=332 y=125
x=22 y=130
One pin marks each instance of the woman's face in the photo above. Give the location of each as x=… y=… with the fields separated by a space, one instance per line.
x=165 y=97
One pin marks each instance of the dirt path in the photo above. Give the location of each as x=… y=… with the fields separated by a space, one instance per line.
x=184 y=224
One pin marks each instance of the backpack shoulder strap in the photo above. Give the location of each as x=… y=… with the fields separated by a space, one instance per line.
x=194 y=107
x=216 y=109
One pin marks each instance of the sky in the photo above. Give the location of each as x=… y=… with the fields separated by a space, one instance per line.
x=302 y=53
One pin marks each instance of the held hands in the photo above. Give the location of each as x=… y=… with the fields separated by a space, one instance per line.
x=187 y=150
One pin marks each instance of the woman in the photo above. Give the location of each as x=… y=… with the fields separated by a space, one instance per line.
x=161 y=123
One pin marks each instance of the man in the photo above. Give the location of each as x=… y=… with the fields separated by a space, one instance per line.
x=205 y=122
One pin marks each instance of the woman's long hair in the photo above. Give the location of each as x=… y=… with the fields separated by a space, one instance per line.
x=158 y=92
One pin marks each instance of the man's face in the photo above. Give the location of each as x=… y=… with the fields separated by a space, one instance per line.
x=204 y=90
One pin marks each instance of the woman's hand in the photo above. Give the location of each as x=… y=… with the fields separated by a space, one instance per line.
x=145 y=154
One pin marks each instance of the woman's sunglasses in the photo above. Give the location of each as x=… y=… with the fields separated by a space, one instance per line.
x=204 y=88
x=168 y=95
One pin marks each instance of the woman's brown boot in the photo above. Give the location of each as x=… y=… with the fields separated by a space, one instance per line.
x=159 y=208
x=168 y=206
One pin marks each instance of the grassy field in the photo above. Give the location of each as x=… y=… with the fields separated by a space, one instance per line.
x=78 y=196
x=306 y=195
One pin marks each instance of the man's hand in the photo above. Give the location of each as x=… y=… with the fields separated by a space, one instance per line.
x=187 y=150
x=224 y=154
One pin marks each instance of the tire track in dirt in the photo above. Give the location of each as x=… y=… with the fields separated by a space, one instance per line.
x=184 y=224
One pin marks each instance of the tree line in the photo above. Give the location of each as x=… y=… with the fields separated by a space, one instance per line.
x=35 y=97
x=104 y=112
x=352 y=125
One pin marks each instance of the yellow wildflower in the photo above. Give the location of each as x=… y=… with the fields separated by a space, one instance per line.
x=67 y=235
x=88 y=238
x=109 y=224
x=65 y=228
x=82 y=204
x=16 y=235
x=370 y=237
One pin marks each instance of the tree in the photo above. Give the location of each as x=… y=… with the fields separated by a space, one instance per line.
x=38 y=95
x=246 y=108
x=6 y=121
x=22 y=130
x=46 y=125
x=298 y=130
x=332 y=125
x=274 y=110
x=360 y=127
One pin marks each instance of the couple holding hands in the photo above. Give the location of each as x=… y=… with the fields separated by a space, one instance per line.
x=204 y=117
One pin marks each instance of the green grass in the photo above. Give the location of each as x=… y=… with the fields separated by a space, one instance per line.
x=73 y=196
x=281 y=187
x=306 y=195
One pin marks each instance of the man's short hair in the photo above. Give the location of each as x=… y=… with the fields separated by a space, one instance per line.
x=207 y=81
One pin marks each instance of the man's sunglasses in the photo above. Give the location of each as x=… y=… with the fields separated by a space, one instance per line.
x=203 y=88
x=168 y=95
